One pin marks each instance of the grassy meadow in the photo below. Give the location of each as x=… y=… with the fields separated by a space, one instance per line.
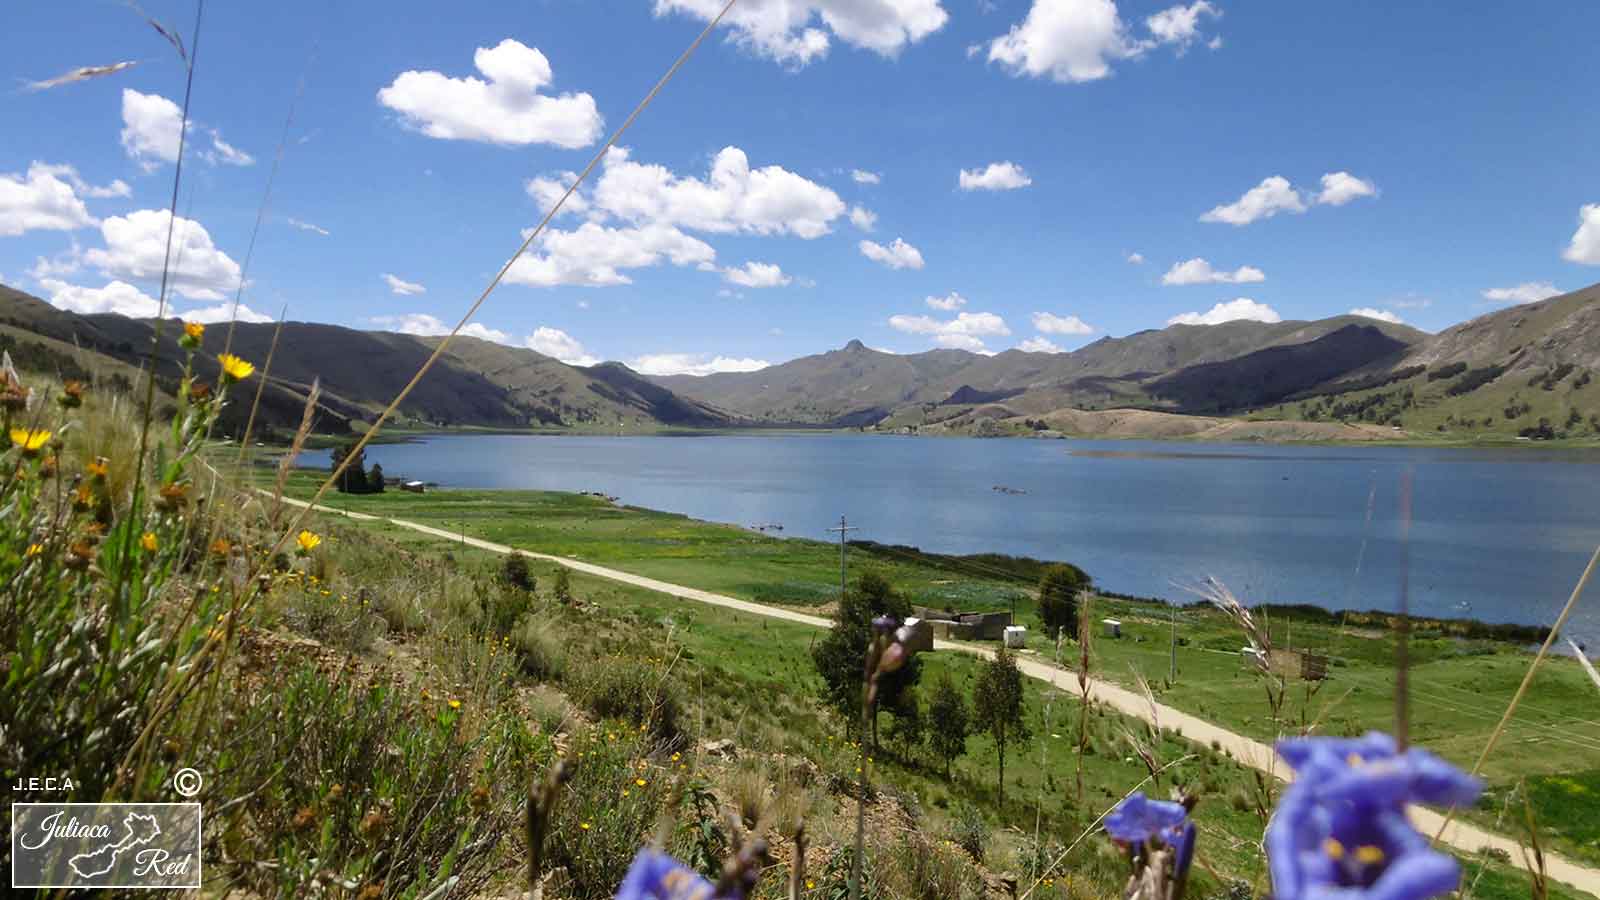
x=1459 y=686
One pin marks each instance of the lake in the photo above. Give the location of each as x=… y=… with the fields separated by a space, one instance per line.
x=1498 y=535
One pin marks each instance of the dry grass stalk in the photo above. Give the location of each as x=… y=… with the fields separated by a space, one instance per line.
x=261 y=385
x=1583 y=660
x=295 y=446
x=1085 y=641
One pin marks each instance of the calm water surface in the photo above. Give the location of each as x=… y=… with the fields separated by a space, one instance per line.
x=1500 y=535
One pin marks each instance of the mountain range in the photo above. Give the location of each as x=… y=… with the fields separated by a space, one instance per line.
x=1524 y=370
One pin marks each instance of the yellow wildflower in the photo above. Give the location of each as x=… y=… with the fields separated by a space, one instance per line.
x=308 y=541
x=584 y=825
x=455 y=704
x=194 y=330
x=640 y=782
x=234 y=368
x=221 y=547
x=99 y=468
x=149 y=542
x=29 y=440
x=34 y=550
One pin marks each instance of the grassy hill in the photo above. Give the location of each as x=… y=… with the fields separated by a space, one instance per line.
x=856 y=385
x=475 y=383
x=1526 y=371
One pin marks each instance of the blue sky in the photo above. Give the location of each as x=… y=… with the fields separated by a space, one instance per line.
x=1427 y=161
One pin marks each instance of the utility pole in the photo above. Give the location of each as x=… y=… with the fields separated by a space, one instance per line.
x=842 y=528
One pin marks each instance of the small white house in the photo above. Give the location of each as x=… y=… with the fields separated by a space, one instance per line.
x=1113 y=627
x=1015 y=636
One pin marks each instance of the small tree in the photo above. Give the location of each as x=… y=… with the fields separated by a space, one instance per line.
x=1058 y=599
x=997 y=703
x=948 y=723
x=908 y=727
x=563 y=585
x=375 y=479
x=841 y=655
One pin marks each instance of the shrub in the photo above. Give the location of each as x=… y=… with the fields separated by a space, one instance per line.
x=541 y=654
x=365 y=783
x=919 y=869
x=515 y=572
x=970 y=832
x=605 y=815
x=614 y=687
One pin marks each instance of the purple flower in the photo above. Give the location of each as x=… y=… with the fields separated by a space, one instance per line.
x=885 y=624
x=656 y=876
x=1137 y=820
x=1340 y=831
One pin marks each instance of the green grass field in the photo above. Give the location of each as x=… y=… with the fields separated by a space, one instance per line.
x=1459 y=686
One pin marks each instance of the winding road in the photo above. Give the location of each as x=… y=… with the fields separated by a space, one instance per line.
x=1462 y=836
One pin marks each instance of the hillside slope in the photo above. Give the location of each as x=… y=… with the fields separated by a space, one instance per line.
x=856 y=385
x=475 y=382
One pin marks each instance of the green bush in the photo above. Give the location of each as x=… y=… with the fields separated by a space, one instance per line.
x=366 y=784
x=970 y=832
x=541 y=653
x=615 y=687
x=604 y=814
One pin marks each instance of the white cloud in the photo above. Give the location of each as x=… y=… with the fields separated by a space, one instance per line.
x=223 y=152
x=117 y=297
x=150 y=127
x=965 y=332
x=223 y=312
x=1068 y=40
x=732 y=198
x=1073 y=41
x=307 y=226
x=1233 y=310
x=788 y=30
x=898 y=255
x=863 y=218
x=997 y=176
x=40 y=201
x=547 y=189
x=950 y=303
x=402 y=287
x=1050 y=323
x=558 y=344
x=136 y=250
x=693 y=364
x=426 y=325
x=1039 y=345
x=1585 y=245
x=757 y=275
x=1198 y=271
x=862 y=176
x=595 y=255
x=1272 y=196
x=507 y=109
x=117 y=187
x=1179 y=26
x=1382 y=315
x=1526 y=292
x=1136 y=259
x=1339 y=188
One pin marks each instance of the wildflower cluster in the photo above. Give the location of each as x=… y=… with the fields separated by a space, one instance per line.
x=1159 y=839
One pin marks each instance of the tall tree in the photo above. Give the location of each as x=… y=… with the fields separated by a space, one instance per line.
x=375 y=479
x=841 y=655
x=948 y=722
x=1058 y=599
x=997 y=703
x=354 y=478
